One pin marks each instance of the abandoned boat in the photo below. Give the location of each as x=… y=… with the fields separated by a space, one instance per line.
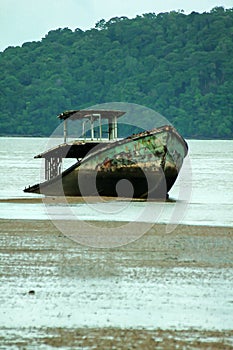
x=143 y=165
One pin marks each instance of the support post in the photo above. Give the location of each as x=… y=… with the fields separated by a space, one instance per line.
x=53 y=167
x=100 y=127
x=65 y=130
x=110 y=129
x=115 y=127
x=95 y=116
x=92 y=128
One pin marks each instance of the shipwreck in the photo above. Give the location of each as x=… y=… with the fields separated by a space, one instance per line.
x=146 y=164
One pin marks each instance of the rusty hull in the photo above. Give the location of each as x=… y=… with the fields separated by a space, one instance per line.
x=150 y=161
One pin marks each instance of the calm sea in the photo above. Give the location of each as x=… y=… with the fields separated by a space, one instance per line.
x=203 y=193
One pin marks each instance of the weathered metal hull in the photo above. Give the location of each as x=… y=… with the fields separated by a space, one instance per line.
x=141 y=166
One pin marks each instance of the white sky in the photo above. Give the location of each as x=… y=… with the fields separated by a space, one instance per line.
x=30 y=20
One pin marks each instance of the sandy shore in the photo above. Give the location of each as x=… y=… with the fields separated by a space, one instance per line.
x=197 y=246
x=57 y=293
x=62 y=199
x=119 y=339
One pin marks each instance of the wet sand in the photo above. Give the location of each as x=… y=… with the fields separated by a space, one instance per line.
x=163 y=291
x=71 y=200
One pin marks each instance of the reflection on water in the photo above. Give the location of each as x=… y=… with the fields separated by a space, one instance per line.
x=203 y=194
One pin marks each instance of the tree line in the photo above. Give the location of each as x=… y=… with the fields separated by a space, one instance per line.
x=179 y=65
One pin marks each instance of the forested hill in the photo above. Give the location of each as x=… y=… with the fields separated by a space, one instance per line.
x=179 y=65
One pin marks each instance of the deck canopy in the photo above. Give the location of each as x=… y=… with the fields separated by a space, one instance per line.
x=91 y=116
x=80 y=114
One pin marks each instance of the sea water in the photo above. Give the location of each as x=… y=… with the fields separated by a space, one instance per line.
x=202 y=194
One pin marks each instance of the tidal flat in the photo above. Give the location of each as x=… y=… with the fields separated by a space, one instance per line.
x=164 y=290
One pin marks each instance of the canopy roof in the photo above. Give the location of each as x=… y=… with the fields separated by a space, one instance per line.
x=80 y=114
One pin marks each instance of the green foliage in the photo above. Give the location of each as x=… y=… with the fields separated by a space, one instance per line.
x=179 y=65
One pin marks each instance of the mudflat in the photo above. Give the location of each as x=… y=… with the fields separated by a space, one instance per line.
x=165 y=290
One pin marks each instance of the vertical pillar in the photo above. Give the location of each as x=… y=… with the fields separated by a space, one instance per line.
x=65 y=130
x=83 y=130
x=110 y=129
x=115 y=127
x=92 y=128
x=46 y=169
x=100 y=127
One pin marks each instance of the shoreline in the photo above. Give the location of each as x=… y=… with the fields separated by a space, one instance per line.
x=77 y=199
x=66 y=201
x=194 y=238
x=183 y=226
x=200 y=229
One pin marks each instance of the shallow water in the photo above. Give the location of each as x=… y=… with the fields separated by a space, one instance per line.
x=203 y=193
x=122 y=302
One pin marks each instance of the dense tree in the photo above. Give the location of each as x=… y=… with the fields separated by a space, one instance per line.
x=179 y=65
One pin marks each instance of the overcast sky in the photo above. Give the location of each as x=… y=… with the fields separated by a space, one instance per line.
x=30 y=20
